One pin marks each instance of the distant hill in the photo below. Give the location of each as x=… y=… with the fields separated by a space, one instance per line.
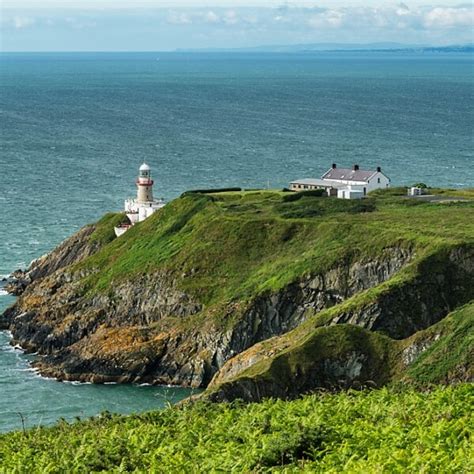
x=341 y=47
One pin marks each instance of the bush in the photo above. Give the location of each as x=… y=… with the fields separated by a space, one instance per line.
x=361 y=205
x=298 y=195
x=384 y=430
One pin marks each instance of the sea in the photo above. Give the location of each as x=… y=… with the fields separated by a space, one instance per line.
x=76 y=126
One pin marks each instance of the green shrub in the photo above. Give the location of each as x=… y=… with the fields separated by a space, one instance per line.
x=386 y=430
x=296 y=196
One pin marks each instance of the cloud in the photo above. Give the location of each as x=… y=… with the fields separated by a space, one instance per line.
x=402 y=9
x=20 y=22
x=234 y=26
x=231 y=18
x=178 y=18
x=385 y=18
x=211 y=17
x=327 y=19
x=449 y=17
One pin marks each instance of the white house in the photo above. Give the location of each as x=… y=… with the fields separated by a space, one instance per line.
x=143 y=206
x=345 y=183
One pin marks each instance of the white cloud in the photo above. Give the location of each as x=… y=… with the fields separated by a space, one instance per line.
x=449 y=17
x=327 y=19
x=177 y=18
x=20 y=22
x=232 y=25
x=231 y=18
x=402 y=9
x=211 y=17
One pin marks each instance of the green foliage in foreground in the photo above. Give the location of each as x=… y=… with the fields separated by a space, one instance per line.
x=387 y=430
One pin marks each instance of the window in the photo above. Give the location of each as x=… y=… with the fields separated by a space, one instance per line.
x=378 y=180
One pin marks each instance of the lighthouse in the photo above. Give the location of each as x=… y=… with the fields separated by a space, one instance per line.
x=144 y=184
x=144 y=205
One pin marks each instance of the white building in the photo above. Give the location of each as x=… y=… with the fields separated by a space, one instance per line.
x=143 y=205
x=345 y=183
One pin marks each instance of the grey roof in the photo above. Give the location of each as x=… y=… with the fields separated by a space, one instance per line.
x=348 y=174
x=317 y=182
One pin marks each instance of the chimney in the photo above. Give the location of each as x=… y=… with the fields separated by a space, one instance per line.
x=334 y=166
x=379 y=170
x=356 y=168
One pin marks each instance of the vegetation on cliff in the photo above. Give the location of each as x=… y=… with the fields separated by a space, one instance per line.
x=237 y=244
x=180 y=295
x=305 y=359
x=385 y=430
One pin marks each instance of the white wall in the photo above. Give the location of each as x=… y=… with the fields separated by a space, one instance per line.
x=372 y=184
x=375 y=184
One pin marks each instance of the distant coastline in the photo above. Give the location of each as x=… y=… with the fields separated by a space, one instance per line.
x=341 y=48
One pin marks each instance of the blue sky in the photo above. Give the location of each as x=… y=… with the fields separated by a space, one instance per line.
x=153 y=25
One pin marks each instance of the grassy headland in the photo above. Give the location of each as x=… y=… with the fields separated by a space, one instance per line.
x=383 y=292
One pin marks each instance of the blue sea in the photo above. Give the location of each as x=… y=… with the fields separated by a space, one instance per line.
x=75 y=128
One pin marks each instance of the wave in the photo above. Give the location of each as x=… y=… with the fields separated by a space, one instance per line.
x=75 y=382
x=33 y=370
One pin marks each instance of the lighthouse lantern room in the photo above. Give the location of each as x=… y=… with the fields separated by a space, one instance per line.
x=144 y=205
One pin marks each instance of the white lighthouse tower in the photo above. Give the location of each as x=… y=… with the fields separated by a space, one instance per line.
x=143 y=205
x=144 y=184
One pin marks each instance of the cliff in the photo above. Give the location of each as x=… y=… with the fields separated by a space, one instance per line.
x=263 y=293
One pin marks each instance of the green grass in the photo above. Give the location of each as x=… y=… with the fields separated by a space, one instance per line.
x=104 y=228
x=386 y=430
x=451 y=353
x=239 y=244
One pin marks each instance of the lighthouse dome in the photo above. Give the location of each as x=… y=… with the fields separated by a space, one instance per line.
x=144 y=167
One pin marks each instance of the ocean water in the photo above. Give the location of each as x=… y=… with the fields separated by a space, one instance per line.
x=75 y=127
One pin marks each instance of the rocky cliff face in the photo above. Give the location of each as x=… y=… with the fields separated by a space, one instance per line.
x=444 y=281
x=318 y=358
x=146 y=329
x=274 y=314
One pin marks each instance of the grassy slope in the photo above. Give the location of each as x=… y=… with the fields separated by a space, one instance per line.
x=104 y=229
x=387 y=430
x=237 y=245
x=232 y=246
x=451 y=353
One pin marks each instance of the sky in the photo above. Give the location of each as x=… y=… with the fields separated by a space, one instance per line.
x=154 y=25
